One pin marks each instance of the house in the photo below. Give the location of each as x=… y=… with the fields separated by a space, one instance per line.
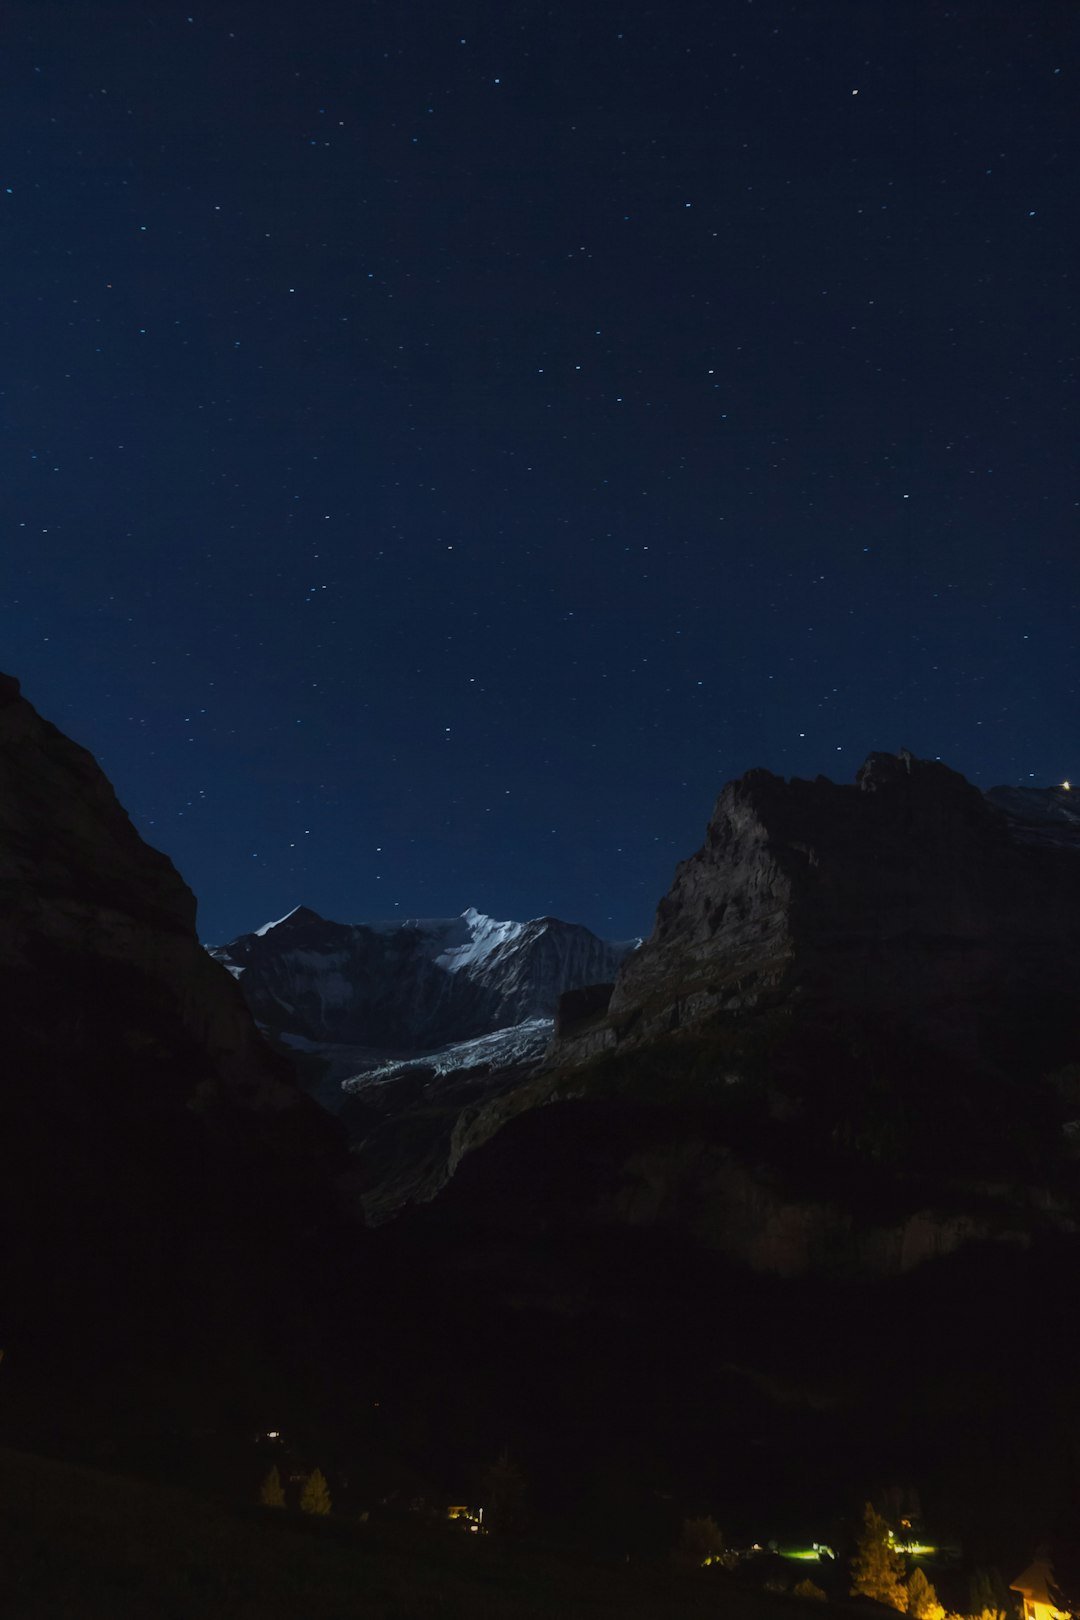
x=469 y=1518
x=1042 y=1600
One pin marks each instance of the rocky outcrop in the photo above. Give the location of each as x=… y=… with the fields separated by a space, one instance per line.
x=908 y=902
x=745 y=1212
x=410 y=1133
x=849 y=989
x=878 y=974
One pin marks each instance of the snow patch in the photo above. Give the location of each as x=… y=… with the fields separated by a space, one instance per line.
x=484 y=935
x=521 y=1043
x=453 y=943
x=266 y=927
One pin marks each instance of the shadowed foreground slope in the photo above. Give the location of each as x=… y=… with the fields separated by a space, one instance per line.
x=162 y=1179
x=91 y=1546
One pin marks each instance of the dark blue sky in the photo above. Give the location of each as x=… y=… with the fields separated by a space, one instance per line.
x=444 y=443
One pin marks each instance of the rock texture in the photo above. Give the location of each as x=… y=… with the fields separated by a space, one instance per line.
x=851 y=1042
x=909 y=903
x=596 y=1165
x=415 y=985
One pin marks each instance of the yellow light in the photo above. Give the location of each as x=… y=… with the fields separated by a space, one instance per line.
x=1067 y=786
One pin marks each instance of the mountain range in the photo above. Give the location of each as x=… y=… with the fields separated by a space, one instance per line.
x=406 y=1029
x=147 y=1128
x=412 y=985
x=852 y=1041
x=848 y=961
x=823 y=1126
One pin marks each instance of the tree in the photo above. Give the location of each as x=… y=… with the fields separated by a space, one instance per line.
x=270 y=1491
x=922 y=1600
x=315 y=1496
x=877 y=1570
x=701 y=1542
x=504 y=1497
x=809 y=1589
x=988 y=1595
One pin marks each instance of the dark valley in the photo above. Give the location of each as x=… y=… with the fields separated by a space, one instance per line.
x=770 y=1214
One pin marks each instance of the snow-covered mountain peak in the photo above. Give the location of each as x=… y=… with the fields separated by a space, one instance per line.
x=296 y=915
x=453 y=942
x=483 y=935
x=413 y=983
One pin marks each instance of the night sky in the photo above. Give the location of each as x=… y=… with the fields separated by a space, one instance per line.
x=444 y=443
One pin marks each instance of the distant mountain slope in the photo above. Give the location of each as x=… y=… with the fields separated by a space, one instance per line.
x=413 y=985
x=1041 y=815
x=408 y=1030
x=502 y=1049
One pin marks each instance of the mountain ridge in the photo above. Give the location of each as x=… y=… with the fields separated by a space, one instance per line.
x=851 y=1042
x=415 y=984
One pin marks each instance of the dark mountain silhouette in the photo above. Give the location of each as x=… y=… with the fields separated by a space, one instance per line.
x=795 y=1202
x=160 y=1172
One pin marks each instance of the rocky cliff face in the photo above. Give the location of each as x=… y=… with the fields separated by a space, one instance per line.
x=97 y=934
x=905 y=920
x=908 y=896
x=151 y=1142
x=849 y=991
x=877 y=975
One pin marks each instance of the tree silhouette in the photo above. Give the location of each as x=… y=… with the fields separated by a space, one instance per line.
x=922 y=1600
x=988 y=1595
x=877 y=1570
x=315 y=1496
x=504 y=1497
x=270 y=1491
x=701 y=1541
x=809 y=1589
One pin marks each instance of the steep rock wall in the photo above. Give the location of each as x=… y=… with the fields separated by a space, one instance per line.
x=97 y=931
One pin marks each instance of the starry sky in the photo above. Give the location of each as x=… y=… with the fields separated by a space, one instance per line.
x=443 y=443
